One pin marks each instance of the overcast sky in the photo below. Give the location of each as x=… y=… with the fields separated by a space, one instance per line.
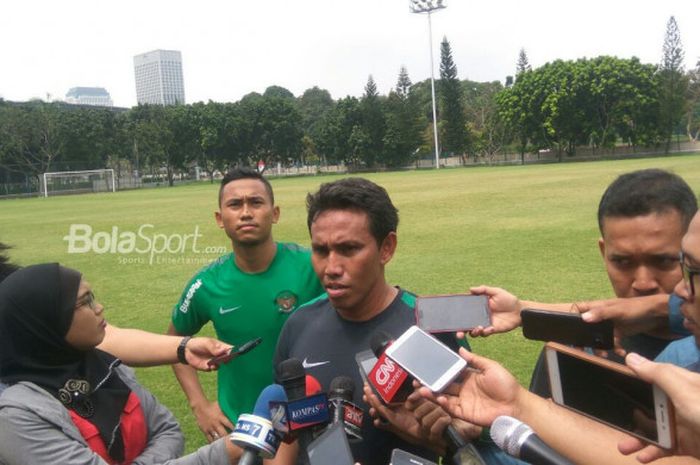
x=232 y=47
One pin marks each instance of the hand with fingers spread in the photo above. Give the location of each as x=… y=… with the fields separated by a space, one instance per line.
x=487 y=391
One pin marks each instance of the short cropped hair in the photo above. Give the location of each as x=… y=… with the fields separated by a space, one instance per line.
x=356 y=194
x=6 y=268
x=245 y=173
x=644 y=192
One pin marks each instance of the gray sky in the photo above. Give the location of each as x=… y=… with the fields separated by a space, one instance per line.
x=232 y=47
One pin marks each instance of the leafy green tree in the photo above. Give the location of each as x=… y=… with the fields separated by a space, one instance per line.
x=166 y=136
x=489 y=132
x=403 y=85
x=314 y=104
x=402 y=138
x=673 y=83
x=334 y=142
x=278 y=91
x=272 y=129
x=454 y=137
x=693 y=105
x=623 y=98
x=523 y=64
x=564 y=104
x=369 y=139
x=33 y=137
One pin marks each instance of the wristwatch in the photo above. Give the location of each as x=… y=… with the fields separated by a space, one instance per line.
x=181 y=350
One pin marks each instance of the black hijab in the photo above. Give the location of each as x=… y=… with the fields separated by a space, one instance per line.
x=37 y=304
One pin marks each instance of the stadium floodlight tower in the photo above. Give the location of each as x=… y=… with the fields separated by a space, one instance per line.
x=428 y=6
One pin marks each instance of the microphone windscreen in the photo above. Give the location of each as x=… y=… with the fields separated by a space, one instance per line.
x=343 y=387
x=379 y=342
x=272 y=393
x=290 y=369
x=509 y=434
x=312 y=386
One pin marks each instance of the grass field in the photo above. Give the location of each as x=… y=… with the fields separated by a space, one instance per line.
x=530 y=229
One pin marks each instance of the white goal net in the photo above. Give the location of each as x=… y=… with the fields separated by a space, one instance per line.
x=78 y=182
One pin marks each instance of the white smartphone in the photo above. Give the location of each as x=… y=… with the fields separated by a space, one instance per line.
x=428 y=360
x=610 y=393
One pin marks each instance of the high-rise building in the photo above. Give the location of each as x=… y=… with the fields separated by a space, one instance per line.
x=97 y=96
x=159 y=77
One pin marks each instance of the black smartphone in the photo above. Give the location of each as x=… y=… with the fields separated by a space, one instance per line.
x=401 y=457
x=365 y=362
x=566 y=328
x=234 y=352
x=450 y=313
x=331 y=447
x=611 y=393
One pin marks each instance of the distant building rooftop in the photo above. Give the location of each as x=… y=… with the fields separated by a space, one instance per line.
x=89 y=96
x=91 y=91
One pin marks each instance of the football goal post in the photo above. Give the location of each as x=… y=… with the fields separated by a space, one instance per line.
x=78 y=182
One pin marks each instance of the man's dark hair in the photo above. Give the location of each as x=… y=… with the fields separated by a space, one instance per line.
x=245 y=173
x=644 y=192
x=357 y=194
x=6 y=268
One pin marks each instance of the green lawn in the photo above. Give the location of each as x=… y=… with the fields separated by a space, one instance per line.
x=531 y=229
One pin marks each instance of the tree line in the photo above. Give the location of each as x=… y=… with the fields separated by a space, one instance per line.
x=597 y=102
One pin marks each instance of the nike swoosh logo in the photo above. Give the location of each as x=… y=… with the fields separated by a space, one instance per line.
x=307 y=364
x=224 y=311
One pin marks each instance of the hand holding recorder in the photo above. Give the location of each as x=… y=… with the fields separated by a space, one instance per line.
x=234 y=352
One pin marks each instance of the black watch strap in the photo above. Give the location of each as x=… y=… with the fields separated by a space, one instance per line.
x=181 y=350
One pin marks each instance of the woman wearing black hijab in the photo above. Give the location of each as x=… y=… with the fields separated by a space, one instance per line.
x=69 y=403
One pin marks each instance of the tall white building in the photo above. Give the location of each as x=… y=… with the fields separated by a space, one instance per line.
x=159 y=77
x=89 y=96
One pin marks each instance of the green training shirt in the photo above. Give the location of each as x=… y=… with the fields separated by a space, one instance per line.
x=244 y=306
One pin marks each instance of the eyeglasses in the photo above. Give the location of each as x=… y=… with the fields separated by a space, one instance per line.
x=89 y=300
x=690 y=275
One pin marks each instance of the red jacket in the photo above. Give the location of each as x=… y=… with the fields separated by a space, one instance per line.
x=133 y=427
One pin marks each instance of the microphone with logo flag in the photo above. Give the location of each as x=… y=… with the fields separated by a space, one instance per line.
x=391 y=382
x=254 y=432
x=519 y=440
x=343 y=411
x=304 y=412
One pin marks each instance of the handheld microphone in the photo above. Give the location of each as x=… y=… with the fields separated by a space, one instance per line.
x=303 y=412
x=254 y=433
x=292 y=376
x=518 y=439
x=344 y=412
x=391 y=382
